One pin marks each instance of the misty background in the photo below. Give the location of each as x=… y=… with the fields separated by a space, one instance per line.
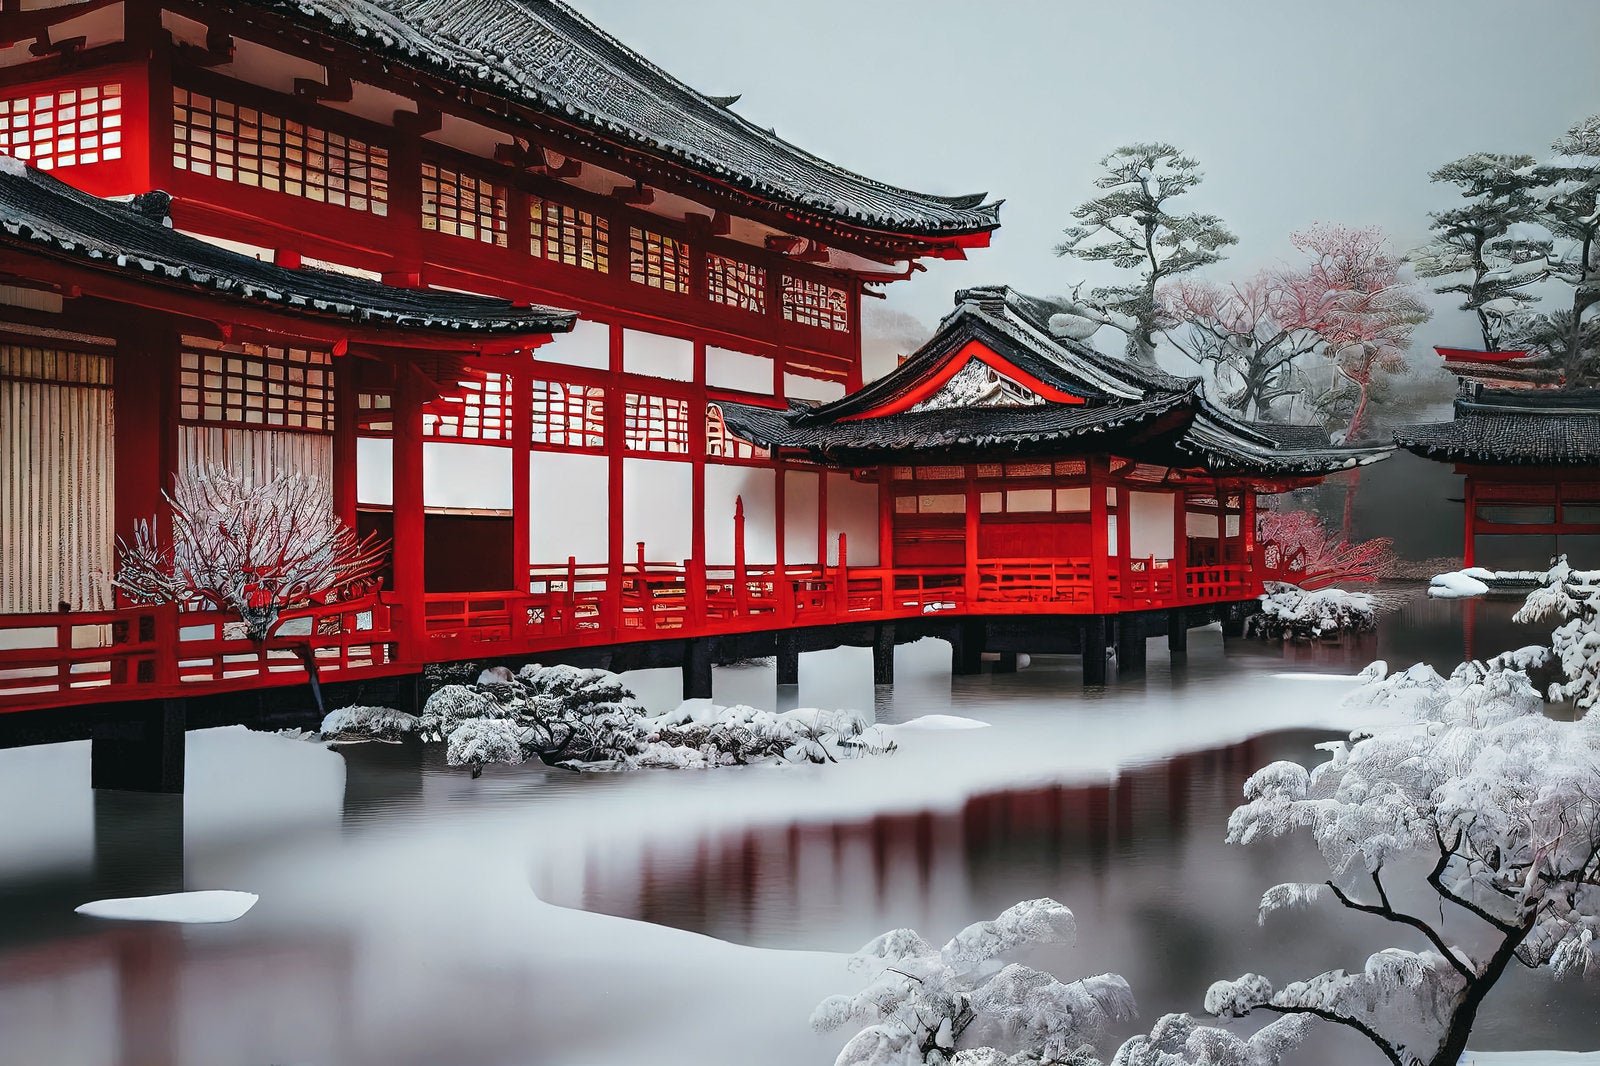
x=1298 y=113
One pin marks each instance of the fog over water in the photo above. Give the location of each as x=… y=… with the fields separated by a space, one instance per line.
x=410 y=914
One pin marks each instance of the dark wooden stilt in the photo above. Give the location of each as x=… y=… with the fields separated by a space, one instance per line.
x=141 y=750
x=1130 y=647
x=966 y=649
x=788 y=658
x=1177 y=632
x=697 y=669
x=1007 y=663
x=1096 y=640
x=883 y=655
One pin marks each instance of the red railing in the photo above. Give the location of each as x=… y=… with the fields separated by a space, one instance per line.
x=53 y=659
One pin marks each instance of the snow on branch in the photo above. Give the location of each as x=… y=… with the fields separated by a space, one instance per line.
x=251 y=550
x=965 y=1005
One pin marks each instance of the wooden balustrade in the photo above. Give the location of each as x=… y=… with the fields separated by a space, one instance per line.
x=50 y=659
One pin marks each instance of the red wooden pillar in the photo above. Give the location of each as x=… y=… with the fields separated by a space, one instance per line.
x=145 y=439
x=346 y=418
x=521 y=473
x=822 y=520
x=1247 y=536
x=1099 y=536
x=696 y=578
x=886 y=520
x=973 y=503
x=410 y=393
x=1180 y=546
x=1124 y=541
x=616 y=422
x=1470 y=523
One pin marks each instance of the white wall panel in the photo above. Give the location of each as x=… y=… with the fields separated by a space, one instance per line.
x=569 y=508
x=757 y=486
x=853 y=511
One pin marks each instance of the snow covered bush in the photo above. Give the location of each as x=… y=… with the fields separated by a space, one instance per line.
x=1501 y=804
x=1180 y=1040
x=368 y=723
x=589 y=720
x=1291 y=613
x=965 y=1004
x=1573 y=596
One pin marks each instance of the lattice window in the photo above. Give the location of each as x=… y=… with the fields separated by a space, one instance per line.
x=482 y=412
x=931 y=503
x=1028 y=470
x=656 y=424
x=64 y=128
x=252 y=385
x=736 y=284
x=569 y=416
x=812 y=303
x=721 y=443
x=463 y=205
x=567 y=235
x=1072 y=467
x=941 y=473
x=233 y=143
x=376 y=412
x=657 y=260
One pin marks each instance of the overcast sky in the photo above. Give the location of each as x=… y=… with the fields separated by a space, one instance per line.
x=1298 y=111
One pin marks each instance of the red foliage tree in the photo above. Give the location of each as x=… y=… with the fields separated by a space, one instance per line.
x=1296 y=547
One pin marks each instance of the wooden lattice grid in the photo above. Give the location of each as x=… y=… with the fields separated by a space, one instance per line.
x=736 y=284
x=64 y=127
x=811 y=303
x=256 y=386
x=566 y=415
x=656 y=424
x=564 y=234
x=656 y=260
x=481 y=413
x=463 y=205
x=231 y=142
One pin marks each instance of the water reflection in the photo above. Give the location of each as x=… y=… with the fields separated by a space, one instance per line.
x=399 y=924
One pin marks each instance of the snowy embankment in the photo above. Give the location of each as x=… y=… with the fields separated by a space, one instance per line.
x=1476 y=581
x=1289 y=612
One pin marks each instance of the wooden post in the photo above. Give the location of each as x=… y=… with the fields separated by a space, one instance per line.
x=1247 y=533
x=741 y=585
x=616 y=440
x=1095 y=641
x=1130 y=645
x=145 y=445
x=141 y=749
x=346 y=423
x=886 y=520
x=1099 y=537
x=788 y=649
x=883 y=655
x=1180 y=546
x=1177 y=632
x=697 y=668
x=973 y=502
x=1124 y=546
x=966 y=648
x=1469 y=544
x=1007 y=663
x=521 y=476
x=409 y=518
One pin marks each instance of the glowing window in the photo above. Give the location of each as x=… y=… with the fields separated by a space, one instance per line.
x=463 y=205
x=564 y=234
x=255 y=386
x=64 y=128
x=736 y=284
x=657 y=260
x=812 y=303
x=230 y=142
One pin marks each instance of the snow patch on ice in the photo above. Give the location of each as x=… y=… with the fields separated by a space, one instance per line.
x=1457 y=585
x=192 y=908
x=938 y=721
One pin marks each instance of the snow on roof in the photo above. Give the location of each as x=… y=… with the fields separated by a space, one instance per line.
x=1534 y=427
x=545 y=55
x=41 y=213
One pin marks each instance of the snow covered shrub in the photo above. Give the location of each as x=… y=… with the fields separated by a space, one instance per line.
x=1501 y=803
x=454 y=704
x=1179 y=1040
x=478 y=741
x=964 y=1004
x=1574 y=597
x=369 y=723
x=1291 y=613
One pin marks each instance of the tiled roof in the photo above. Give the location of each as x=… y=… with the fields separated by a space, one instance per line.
x=40 y=213
x=1129 y=410
x=1514 y=426
x=544 y=55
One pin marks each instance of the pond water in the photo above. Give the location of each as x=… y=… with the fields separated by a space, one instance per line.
x=410 y=914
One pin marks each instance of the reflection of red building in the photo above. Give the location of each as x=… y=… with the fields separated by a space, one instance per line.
x=348 y=171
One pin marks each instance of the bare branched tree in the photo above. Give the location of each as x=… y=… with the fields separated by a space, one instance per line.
x=254 y=550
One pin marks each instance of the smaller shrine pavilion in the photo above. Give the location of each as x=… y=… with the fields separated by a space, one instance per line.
x=1021 y=471
x=1530 y=461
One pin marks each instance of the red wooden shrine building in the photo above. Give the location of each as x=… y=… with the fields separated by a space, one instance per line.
x=1530 y=465
x=374 y=207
